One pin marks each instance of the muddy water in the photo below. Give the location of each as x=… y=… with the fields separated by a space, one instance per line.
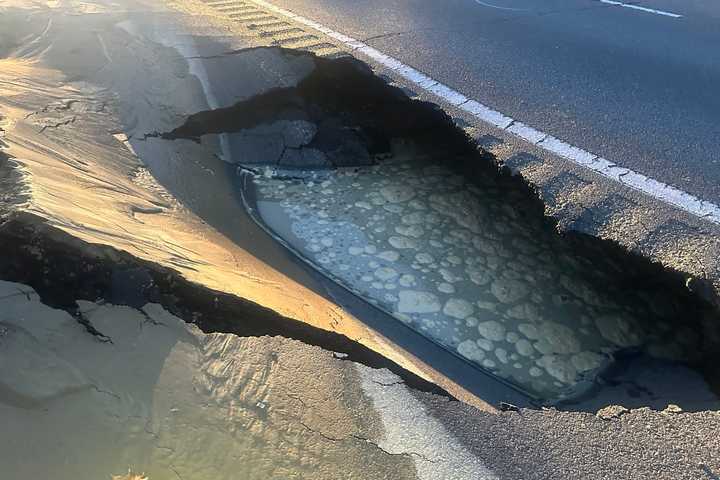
x=463 y=266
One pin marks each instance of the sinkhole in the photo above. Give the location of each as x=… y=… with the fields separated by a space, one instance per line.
x=385 y=195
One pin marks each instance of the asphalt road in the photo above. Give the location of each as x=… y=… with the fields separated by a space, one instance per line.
x=639 y=88
x=317 y=406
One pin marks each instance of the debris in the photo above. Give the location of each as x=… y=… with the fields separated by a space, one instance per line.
x=612 y=411
x=672 y=409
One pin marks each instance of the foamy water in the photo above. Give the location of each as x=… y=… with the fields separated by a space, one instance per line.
x=462 y=266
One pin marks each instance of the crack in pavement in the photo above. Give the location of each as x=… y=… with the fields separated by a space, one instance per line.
x=399 y=382
x=19 y=293
x=99 y=390
x=405 y=454
x=85 y=322
x=59 y=124
x=371 y=442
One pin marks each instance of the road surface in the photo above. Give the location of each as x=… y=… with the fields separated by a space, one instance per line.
x=635 y=83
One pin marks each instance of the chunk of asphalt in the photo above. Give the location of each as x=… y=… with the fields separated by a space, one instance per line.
x=355 y=114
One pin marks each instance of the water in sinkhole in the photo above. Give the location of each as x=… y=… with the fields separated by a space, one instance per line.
x=462 y=264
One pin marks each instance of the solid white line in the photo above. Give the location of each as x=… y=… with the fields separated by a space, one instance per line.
x=651 y=187
x=642 y=9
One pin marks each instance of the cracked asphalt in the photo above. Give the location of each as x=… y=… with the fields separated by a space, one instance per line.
x=396 y=431
x=634 y=87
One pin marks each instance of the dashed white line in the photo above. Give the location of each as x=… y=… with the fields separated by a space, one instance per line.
x=651 y=187
x=642 y=9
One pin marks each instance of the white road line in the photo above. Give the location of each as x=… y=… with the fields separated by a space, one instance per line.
x=653 y=188
x=642 y=9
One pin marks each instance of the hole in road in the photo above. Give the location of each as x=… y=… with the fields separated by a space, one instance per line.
x=387 y=197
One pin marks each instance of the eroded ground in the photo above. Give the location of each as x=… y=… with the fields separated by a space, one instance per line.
x=110 y=222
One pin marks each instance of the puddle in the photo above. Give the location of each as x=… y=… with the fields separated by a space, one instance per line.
x=465 y=266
